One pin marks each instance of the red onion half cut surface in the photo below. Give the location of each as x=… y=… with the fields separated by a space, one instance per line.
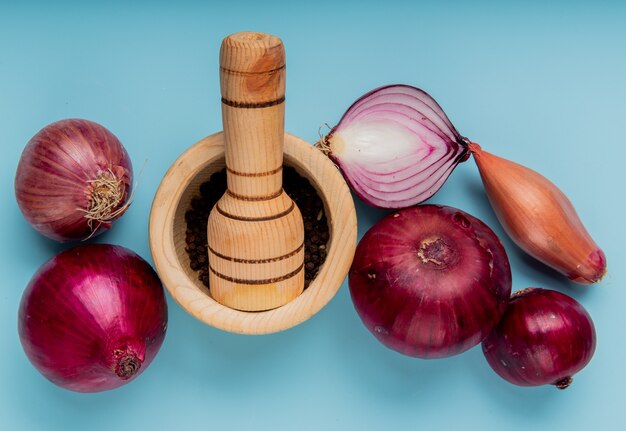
x=395 y=146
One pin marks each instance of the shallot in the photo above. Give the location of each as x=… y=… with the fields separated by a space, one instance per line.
x=539 y=218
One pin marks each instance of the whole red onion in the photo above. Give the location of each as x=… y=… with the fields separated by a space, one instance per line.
x=93 y=317
x=545 y=337
x=73 y=180
x=430 y=281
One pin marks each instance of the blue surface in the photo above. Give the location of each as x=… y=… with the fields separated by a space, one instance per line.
x=543 y=85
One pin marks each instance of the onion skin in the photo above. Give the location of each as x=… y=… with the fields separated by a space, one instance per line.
x=539 y=218
x=93 y=317
x=62 y=176
x=544 y=338
x=430 y=281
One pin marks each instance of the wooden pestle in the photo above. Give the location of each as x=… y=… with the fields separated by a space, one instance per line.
x=255 y=231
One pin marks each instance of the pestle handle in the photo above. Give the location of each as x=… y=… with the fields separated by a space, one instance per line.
x=252 y=80
x=255 y=231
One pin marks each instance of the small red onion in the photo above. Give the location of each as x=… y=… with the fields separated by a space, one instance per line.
x=73 y=180
x=395 y=146
x=93 y=317
x=430 y=281
x=545 y=337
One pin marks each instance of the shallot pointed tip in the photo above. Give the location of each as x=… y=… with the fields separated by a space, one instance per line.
x=593 y=271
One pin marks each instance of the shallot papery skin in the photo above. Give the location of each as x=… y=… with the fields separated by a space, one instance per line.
x=73 y=180
x=430 y=281
x=539 y=218
x=544 y=338
x=395 y=146
x=93 y=317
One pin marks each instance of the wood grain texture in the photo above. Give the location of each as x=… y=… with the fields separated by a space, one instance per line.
x=252 y=67
x=255 y=223
x=167 y=237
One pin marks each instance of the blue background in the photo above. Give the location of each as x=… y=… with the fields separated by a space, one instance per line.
x=544 y=85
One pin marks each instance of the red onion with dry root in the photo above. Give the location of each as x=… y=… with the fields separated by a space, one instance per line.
x=73 y=180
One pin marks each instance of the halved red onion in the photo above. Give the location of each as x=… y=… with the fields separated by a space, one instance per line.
x=395 y=146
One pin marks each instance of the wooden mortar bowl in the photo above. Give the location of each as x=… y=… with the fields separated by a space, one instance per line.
x=167 y=237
